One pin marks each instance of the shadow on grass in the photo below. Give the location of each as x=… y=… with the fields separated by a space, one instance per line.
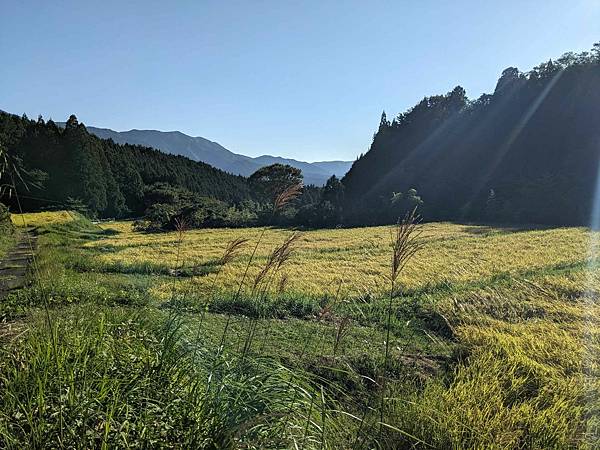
x=483 y=229
x=86 y=264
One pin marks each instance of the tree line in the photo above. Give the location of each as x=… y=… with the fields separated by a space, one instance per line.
x=107 y=179
x=76 y=170
x=527 y=153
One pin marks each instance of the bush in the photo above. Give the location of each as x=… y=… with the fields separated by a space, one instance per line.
x=169 y=206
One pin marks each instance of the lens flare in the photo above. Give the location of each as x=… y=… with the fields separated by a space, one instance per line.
x=590 y=332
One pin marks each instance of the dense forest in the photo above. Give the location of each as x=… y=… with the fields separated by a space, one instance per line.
x=68 y=167
x=528 y=153
x=108 y=179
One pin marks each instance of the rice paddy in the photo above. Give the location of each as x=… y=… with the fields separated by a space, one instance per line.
x=357 y=260
x=494 y=337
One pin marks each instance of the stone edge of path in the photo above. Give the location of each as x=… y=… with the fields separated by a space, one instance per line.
x=15 y=265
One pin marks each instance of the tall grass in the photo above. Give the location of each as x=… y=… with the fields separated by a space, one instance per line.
x=126 y=377
x=406 y=243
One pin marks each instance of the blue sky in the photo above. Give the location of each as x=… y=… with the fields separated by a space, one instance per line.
x=306 y=80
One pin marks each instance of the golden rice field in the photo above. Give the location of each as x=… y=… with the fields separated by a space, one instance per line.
x=356 y=261
x=42 y=218
x=521 y=304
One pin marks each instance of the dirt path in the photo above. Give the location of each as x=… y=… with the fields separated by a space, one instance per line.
x=14 y=266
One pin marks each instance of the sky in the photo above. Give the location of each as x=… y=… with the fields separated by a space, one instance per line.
x=300 y=79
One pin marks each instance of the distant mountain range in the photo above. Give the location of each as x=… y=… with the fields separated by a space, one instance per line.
x=201 y=149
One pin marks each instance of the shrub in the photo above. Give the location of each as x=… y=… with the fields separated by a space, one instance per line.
x=193 y=210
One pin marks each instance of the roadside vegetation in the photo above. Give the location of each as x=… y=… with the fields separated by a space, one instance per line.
x=265 y=338
x=6 y=241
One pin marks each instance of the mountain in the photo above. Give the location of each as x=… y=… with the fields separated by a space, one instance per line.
x=201 y=149
x=528 y=153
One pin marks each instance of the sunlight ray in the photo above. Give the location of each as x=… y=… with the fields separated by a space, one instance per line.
x=590 y=294
x=512 y=137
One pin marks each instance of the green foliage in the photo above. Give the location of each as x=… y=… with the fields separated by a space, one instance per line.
x=269 y=181
x=322 y=207
x=96 y=377
x=402 y=203
x=6 y=226
x=7 y=234
x=170 y=207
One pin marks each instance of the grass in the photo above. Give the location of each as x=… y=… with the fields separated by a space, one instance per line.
x=6 y=242
x=133 y=339
x=146 y=389
x=528 y=356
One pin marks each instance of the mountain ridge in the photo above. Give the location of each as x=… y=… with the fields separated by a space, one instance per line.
x=201 y=149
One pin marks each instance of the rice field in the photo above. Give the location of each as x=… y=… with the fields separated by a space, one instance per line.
x=494 y=338
x=42 y=218
x=355 y=261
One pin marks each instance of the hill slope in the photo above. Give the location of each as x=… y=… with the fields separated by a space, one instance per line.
x=527 y=153
x=201 y=149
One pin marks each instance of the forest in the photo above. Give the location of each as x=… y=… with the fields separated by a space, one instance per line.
x=73 y=169
x=527 y=153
